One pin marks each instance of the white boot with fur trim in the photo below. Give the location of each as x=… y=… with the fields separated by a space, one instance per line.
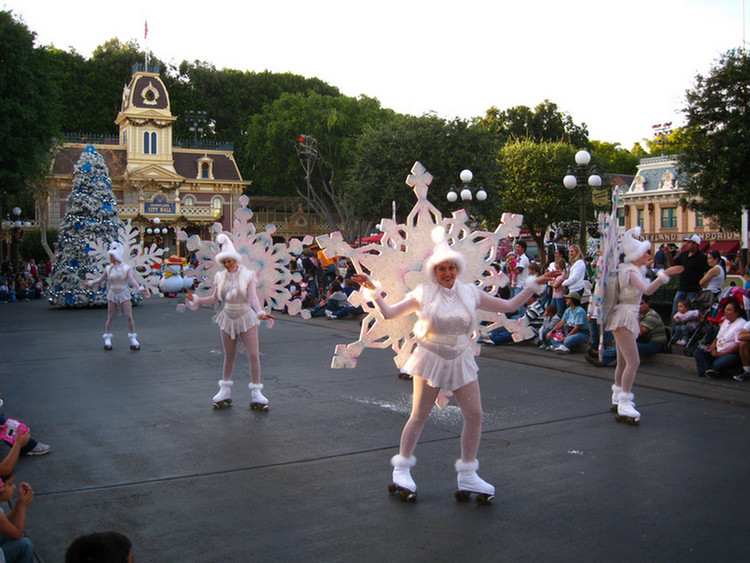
x=222 y=398
x=257 y=401
x=469 y=482
x=626 y=409
x=107 y=340
x=616 y=392
x=403 y=484
x=134 y=345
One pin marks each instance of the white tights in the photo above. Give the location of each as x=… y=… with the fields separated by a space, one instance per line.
x=250 y=341
x=127 y=310
x=469 y=400
x=628 y=359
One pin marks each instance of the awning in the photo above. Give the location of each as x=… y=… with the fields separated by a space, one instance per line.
x=726 y=247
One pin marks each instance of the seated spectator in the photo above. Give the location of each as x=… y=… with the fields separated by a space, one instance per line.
x=744 y=351
x=686 y=320
x=335 y=300
x=551 y=318
x=4 y=293
x=652 y=339
x=722 y=355
x=109 y=547
x=574 y=326
x=349 y=287
x=16 y=547
x=534 y=315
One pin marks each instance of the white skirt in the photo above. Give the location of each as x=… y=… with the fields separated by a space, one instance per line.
x=235 y=323
x=441 y=373
x=624 y=316
x=118 y=296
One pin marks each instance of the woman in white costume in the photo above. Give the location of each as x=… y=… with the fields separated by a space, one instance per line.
x=119 y=277
x=238 y=319
x=444 y=359
x=624 y=319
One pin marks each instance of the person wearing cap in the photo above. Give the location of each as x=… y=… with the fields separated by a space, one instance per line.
x=574 y=324
x=119 y=276
x=235 y=287
x=443 y=362
x=694 y=265
x=624 y=321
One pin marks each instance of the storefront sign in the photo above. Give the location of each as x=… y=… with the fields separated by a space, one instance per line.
x=159 y=206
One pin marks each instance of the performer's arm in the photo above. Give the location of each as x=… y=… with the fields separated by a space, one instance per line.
x=98 y=280
x=252 y=295
x=533 y=285
x=194 y=302
x=132 y=280
x=373 y=293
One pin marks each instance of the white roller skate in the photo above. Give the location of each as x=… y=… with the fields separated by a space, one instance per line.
x=626 y=410
x=134 y=345
x=403 y=484
x=107 y=340
x=257 y=401
x=222 y=398
x=469 y=482
x=616 y=391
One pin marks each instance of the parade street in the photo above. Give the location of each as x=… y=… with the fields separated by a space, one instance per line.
x=137 y=448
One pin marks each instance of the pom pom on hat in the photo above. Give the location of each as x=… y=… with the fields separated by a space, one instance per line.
x=632 y=247
x=227 y=250
x=116 y=251
x=442 y=252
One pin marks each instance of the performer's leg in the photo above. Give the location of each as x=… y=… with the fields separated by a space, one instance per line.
x=627 y=350
x=250 y=341
x=111 y=312
x=469 y=400
x=127 y=310
x=422 y=402
x=230 y=353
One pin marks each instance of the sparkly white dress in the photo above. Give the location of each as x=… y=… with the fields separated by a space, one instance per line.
x=237 y=293
x=119 y=277
x=447 y=329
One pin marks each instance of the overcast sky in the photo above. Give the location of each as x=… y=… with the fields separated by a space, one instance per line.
x=619 y=67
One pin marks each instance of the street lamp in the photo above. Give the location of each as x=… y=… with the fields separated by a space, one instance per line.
x=195 y=121
x=660 y=130
x=582 y=177
x=467 y=191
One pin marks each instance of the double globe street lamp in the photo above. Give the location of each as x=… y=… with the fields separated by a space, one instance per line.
x=582 y=177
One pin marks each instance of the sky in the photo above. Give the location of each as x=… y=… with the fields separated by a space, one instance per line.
x=619 y=67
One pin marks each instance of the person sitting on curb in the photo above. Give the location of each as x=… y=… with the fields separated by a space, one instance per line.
x=722 y=354
x=574 y=324
x=652 y=339
x=744 y=350
x=15 y=546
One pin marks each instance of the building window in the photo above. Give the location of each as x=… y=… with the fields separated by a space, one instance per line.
x=188 y=201
x=668 y=217
x=149 y=143
x=205 y=170
x=621 y=217
x=699 y=219
x=639 y=218
x=218 y=204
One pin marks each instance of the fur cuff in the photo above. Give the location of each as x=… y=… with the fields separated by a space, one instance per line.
x=402 y=462
x=466 y=466
x=255 y=386
x=223 y=383
x=532 y=284
x=372 y=294
x=193 y=304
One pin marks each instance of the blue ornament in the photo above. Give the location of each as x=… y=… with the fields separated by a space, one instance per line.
x=74 y=263
x=86 y=167
x=90 y=149
x=68 y=299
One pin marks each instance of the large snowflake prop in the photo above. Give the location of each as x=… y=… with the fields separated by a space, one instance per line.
x=139 y=258
x=269 y=260
x=397 y=263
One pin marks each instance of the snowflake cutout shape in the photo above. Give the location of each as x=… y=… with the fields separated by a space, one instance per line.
x=397 y=261
x=139 y=258
x=259 y=252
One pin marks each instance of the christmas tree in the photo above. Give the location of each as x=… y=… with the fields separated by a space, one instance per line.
x=91 y=214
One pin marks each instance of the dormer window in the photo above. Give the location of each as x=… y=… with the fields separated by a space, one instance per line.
x=205 y=168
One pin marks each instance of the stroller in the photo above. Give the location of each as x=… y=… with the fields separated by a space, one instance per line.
x=713 y=315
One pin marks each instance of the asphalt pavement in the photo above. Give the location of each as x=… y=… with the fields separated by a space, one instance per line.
x=137 y=448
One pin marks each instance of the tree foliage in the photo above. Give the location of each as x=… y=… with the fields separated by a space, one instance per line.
x=29 y=105
x=530 y=182
x=385 y=152
x=718 y=132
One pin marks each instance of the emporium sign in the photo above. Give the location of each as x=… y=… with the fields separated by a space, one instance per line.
x=678 y=237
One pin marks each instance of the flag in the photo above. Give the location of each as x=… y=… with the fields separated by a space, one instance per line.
x=145 y=31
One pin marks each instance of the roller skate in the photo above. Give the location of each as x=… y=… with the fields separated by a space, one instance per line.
x=134 y=345
x=403 y=485
x=257 y=401
x=107 y=341
x=469 y=482
x=626 y=410
x=616 y=392
x=222 y=398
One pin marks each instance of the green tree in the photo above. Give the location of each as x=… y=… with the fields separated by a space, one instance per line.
x=612 y=158
x=544 y=123
x=718 y=132
x=530 y=182
x=671 y=143
x=385 y=153
x=28 y=105
x=334 y=122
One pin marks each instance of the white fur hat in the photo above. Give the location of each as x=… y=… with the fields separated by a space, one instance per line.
x=227 y=250
x=117 y=252
x=442 y=252
x=632 y=247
